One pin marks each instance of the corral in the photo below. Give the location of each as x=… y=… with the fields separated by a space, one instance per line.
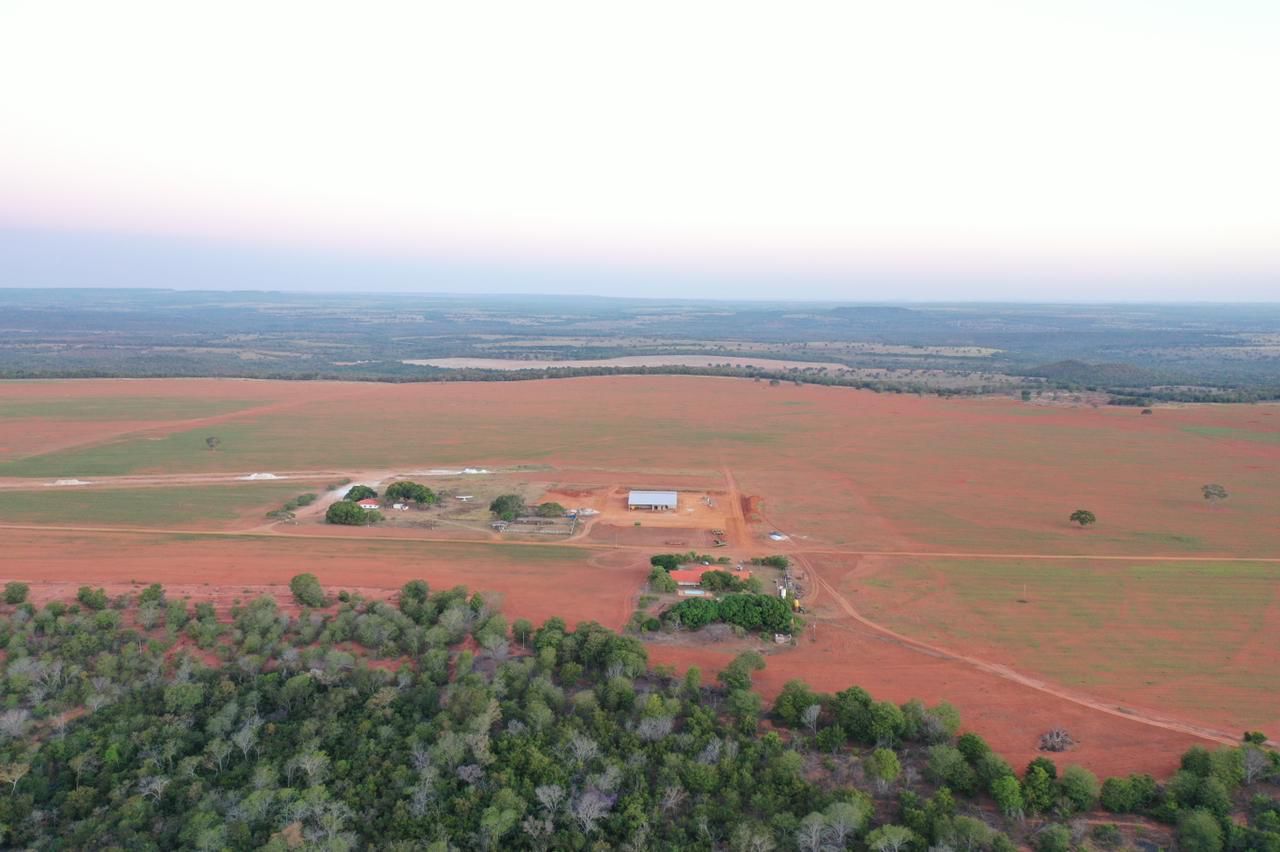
x=916 y=522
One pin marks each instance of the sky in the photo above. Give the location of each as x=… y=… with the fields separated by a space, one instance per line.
x=906 y=150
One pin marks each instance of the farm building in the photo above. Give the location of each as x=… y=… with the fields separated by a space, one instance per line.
x=369 y=503
x=653 y=501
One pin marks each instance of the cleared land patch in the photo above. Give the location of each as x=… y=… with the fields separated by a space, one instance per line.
x=196 y=506
x=1195 y=639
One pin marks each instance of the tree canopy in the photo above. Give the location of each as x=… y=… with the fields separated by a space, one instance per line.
x=508 y=507
x=1083 y=517
x=359 y=492
x=412 y=492
x=350 y=514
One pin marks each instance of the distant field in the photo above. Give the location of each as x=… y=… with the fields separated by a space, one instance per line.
x=1201 y=640
x=628 y=361
x=196 y=506
x=112 y=408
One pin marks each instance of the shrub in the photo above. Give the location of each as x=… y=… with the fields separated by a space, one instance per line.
x=1198 y=831
x=15 y=592
x=1055 y=838
x=92 y=598
x=307 y=590
x=1079 y=787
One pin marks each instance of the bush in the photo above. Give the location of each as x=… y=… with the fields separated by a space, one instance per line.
x=1079 y=787
x=1055 y=838
x=948 y=766
x=549 y=510
x=1107 y=835
x=92 y=598
x=660 y=581
x=307 y=590
x=15 y=592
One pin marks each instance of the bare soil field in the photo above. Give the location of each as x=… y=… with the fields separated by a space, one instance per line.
x=533 y=581
x=846 y=474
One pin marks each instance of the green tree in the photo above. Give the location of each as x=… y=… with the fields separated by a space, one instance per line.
x=1008 y=795
x=1213 y=493
x=92 y=598
x=508 y=507
x=1083 y=517
x=212 y=442
x=549 y=510
x=350 y=514
x=411 y=492
x=1038 y=789
x=307 y=590
x=661 y=581
x=359 y=492
x=948 y=766
x=15 y=592
x=737 y=675
x=883 y=768
x=892 y=838
x=1198 y=831
x=1079 y=787
x=1054 y=838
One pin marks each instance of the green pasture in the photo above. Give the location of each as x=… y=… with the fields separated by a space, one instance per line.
x=166 y=506
x=115 y=408
x=1105 y=626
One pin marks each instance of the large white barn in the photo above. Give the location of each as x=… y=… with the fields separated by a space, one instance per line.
x=652 y=501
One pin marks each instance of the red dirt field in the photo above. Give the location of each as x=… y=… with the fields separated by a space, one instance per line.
x=534 y=582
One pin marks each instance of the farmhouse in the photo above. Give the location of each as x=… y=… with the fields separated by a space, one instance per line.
x=369 y=503
x=653 y=501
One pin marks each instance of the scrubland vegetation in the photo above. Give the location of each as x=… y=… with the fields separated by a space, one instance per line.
x=142 y=722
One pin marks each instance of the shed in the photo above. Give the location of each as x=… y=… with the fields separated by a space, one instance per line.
x=653 y=501
x=369 y=503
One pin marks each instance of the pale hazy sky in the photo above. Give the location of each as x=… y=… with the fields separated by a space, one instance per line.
x=956 y=149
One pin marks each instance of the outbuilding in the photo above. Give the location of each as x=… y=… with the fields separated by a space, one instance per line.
x=652 y=501
x=369 y=503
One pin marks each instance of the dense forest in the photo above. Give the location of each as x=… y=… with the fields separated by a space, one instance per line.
x=430 y=722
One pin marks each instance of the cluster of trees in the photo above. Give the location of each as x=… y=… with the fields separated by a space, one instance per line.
x=777 y=561
x=508 y=507
x=672 y=561
x=484 y=735
x=749 y=611
x=411 y=492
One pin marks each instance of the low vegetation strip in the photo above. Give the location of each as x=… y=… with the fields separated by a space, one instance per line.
x=196 y=505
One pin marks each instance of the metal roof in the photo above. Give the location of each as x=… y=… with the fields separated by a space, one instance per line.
x=652 y=498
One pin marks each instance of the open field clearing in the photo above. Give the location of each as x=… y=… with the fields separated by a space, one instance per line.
x=202 y=506
x=534 y=581
x=1195 y=640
